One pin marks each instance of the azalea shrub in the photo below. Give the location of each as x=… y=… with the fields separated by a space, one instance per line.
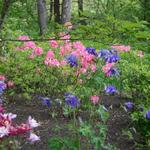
x=56 y=67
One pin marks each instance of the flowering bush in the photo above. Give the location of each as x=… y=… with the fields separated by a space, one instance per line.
x=63 y=65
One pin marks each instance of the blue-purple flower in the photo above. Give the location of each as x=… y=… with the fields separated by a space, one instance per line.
x=72 y=100
x=2 y=87
x=46 y=101
x=112 y=72
x=112 y=51
x=104 y=53
x=148 y=114
x=92 y=51
x=112 y=58
x=110 y=89
x=129 y=105
x=72 y=60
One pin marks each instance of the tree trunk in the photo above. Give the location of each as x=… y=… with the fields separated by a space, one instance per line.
x=42 y=15
x=80 y=7
x=66 y=11
x=57 y=11
x=4 y=11
x=51 y=9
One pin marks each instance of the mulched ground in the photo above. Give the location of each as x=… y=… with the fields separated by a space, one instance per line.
x=118 y=121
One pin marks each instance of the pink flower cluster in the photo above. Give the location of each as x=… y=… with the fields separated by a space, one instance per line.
x=78 y=49
x=50 y=60
x=8 y=128
x=67 y=48
x=36 y=51
x=121 y=48
x=54 y=44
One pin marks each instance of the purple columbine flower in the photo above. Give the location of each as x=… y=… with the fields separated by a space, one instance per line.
x=2 y=87
x=46 y=101
x=110 y=89
x=72 y=60
x=72 y=100
x=92 y=51
x=113 y=72
x=112 y=51
x=104 y=53
x=148 y=114
x=112 y=58
x=129 y=105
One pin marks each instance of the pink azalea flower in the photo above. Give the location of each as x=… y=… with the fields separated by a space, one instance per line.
x=32 y=122
x=62 y=51
x=83 y=70
x=140 y=53
x=66 y=37
x=10 y=84
x=38 y=51
x=122 y=48
x=33 y=138
x=107 y=67
x=55 y=62
x=68 y=47
x=46 y=62
x=53 y=43
x=63 y=62
x=30 y=45
x=21 y=48
x=24 y=37
x=50 y=54
x=94 y=99
x=2 y=78
x=93 y=68
x=78 y=45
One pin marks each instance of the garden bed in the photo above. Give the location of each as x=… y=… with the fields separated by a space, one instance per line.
x=117 y=122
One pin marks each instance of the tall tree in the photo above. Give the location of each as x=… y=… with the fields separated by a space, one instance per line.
x=66 y=11
x=57 y=11
x=80 y=7
x=42 y=15
x=5 y=7
x=51 y=9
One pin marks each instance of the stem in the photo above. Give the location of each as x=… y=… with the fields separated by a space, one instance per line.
x=74 y=119
x=77 y=134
